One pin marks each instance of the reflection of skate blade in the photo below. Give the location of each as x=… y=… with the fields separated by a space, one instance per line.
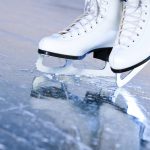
x=43 y=87
x=46 y=87
x=91 y=100
x=62 y=87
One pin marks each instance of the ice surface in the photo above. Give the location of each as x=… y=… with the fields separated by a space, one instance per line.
x=62 y=113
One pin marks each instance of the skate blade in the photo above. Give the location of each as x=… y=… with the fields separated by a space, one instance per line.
x=121 y=82
x=69 y=69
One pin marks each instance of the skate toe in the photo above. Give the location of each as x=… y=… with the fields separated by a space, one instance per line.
x=44 y=43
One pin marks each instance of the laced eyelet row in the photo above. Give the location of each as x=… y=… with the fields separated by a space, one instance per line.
x=87 y=12
x=85 y=30
x=143 y=20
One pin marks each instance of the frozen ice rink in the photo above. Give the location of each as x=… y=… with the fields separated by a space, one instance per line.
x=62 y=113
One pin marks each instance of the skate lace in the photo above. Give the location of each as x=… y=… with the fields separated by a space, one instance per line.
x=131 y=22
x=94 y=9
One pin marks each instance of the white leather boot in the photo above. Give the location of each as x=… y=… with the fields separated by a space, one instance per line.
x=132 y=48
x=95 y=29
x=132 y=45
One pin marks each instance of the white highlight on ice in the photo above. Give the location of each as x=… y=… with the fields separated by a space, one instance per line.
x=133 y=107
x=135 y=111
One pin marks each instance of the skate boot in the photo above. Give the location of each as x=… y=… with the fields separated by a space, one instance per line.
x=131 y=51
x=95 y=31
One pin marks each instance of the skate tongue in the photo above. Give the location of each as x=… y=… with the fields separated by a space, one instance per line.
x=91 y=7
x=131 y=20
x=135 y=3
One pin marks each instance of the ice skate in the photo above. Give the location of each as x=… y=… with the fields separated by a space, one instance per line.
x=131 y=52
x=94 y=32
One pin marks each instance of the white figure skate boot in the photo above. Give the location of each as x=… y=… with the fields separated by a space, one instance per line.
x=131 y=51
x=95 y=31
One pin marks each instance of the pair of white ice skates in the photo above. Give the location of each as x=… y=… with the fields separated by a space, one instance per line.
x=116 y=32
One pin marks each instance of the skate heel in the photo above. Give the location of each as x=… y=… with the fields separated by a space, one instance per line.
x=102 y=53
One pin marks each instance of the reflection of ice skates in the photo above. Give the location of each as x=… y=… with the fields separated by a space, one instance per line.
x=121 y=99
x=131 y=51
x=95 y=31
